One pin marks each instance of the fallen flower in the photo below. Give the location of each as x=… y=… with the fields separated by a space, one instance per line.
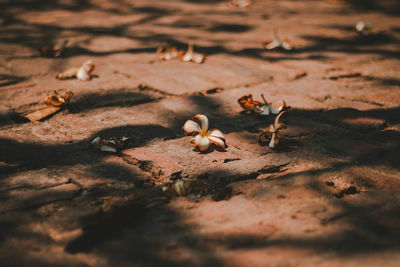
x=240 y=3
x=53 y=50
x=169 y=53
x=205 y=137
x=266 y=109
x=277 y=43
x=83 y=73
x=55 y=102
x=364 y=28
x=190 y=55
x=250 y=105
x=112 y=144
x=272 y=132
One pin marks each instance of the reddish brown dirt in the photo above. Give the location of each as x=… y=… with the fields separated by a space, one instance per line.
x=329 y=196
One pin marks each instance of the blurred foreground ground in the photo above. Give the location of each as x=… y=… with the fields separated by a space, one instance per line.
x=328 y=197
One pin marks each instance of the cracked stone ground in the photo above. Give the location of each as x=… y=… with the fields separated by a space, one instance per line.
x=328 y=197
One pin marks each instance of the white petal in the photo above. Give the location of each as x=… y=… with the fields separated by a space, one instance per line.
x=191 y=127
x=270 y=129
x=274 y=111
x=286 y=45
x=187 y=57
x=265 y=110
x=204 y=122
x=198 y=58
x=202 y=143
x=272 y=45
x=108 y=148
x=96 y=140
x=217 y=133
x=274 y=141
x=189 y=53
x=83 y=75
x=277 y=124
x=217 y=141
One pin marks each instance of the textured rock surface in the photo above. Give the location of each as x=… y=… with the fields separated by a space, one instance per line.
x=329 y=196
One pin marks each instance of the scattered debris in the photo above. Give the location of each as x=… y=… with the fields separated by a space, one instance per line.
x=169 y=53
x=298 y=76
x=230 y=159
x=239 y=3
x=204 y=137
x=250 y=105
x=54 y=50
x=113 y=144
x=83 y=73
x=364 y=28
x=55 y=103
x=271 y=134
x=346 y=75
x=190 y=55
x=277 y=43
x=351 y=190
x=211 y=91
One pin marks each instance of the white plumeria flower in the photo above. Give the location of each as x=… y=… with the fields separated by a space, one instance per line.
x=266 y=109
x=205 y=137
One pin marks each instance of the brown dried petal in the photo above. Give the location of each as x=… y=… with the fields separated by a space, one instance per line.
x=248 y=104
x=59 y=100
x=68 y=74
x=41 y=113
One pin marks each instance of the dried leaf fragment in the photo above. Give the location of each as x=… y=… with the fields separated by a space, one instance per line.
x=190 y=55
x=277 y=44
x=113 y=144
x=83 y=73
x=53 y=50
x=204 y=138
x=271 y=134
x=41 y=113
